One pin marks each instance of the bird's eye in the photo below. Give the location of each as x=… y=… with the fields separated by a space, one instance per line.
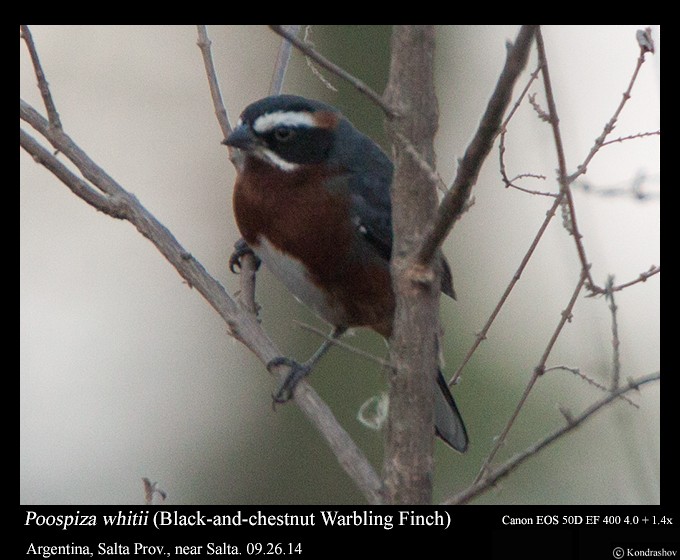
x=283 y=133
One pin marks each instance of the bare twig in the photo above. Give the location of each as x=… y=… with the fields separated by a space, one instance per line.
x=654 y=269
x=616 y=343
x=609 y=126
x=589 y=380
x=282 y=60
x=501 y=145
x=562 y=174
x=432 y=173
x=510 y=183
x=340 y=344
x=538 y=371
x=310 y=62
x=493 y=476
x=534 y=75
x=633 y=188
x=475 y=155
x=335 y=69
x=515 y=278
x=631 y=137
x=220 y=110
x=43 y=86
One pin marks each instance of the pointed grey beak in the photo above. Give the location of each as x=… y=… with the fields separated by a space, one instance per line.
x=241 y=137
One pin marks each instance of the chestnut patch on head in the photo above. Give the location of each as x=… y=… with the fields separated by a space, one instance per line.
x=326 y=119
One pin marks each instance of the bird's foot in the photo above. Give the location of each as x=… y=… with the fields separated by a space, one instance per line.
x=297 y=372
x=241 y=249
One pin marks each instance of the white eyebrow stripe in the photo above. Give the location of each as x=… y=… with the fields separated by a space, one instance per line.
x=270 y=121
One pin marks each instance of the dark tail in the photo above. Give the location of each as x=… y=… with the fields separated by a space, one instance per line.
x=447 y=420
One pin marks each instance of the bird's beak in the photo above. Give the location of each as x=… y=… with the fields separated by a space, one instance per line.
x=241 y=137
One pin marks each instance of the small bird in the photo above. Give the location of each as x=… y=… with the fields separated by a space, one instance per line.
x=312 y=201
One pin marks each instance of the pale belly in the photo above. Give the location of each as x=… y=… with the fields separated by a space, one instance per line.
x=295 y=277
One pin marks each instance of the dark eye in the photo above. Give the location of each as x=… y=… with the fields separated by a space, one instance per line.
x=283 y=133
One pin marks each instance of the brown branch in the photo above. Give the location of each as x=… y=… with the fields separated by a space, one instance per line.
x=496 y=474
x=408 y=463
x=501 y=144
x=335 y=69
x=454 y=202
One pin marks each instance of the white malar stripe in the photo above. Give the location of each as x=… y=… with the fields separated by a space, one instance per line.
x=271 y=157
x=270 y=121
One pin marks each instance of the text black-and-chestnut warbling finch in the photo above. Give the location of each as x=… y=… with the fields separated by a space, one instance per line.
x=312 y=201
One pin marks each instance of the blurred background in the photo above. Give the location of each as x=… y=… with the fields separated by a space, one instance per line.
x=126 y=372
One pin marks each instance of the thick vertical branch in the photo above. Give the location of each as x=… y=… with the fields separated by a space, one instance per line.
x=408 y=463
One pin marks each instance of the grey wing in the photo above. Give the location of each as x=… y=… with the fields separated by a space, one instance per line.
x=371 y=204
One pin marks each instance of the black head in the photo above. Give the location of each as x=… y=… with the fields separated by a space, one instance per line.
x=287 y=131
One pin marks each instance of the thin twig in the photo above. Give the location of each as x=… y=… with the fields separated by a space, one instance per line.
x=631 y=137
x=654 y=269
x=337 y=342
x=220 y=110
x=151 y=490
x=79 y=187
x=282 y=61
x=510 y=183
x=43 y=86
x=609 y=126
x=481 y=336
x=589 y=380
x=633 y=188
x=431 y=172
x=616 y=344
x=501 y=144
x=538 y=371
x=489 y=127
x=533 y=77
x=335 y=69
x=493 y=476
x=310 y=63
x=562 y=174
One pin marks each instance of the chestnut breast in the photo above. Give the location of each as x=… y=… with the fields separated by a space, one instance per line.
x=303 y=233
